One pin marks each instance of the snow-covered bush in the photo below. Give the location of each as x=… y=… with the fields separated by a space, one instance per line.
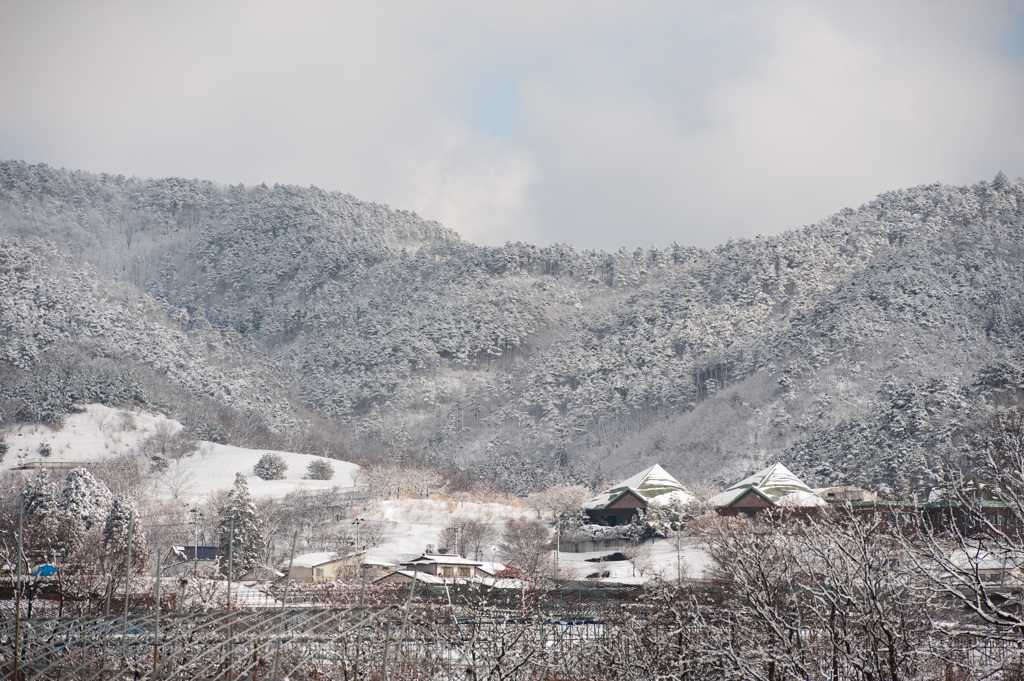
x=319 y=469
x=271 y=466
x=591 y=532
x=663 y=520
x=45 y=449
x=3 y=447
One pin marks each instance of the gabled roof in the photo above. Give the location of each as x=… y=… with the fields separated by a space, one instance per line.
x=441 y=559
x=776 y=483
x=653 y=485
x=309 y=560
x=424 y=577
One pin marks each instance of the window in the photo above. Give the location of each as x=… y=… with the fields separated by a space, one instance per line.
x=464 y=572
x=319 y=572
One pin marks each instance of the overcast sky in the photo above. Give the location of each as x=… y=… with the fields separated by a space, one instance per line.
x=601 y=124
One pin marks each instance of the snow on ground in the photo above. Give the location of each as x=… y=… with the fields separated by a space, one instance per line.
x=412 y=525
x=100 y=432
x=692 y=563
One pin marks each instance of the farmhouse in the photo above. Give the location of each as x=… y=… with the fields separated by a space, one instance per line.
x=773 y=487
x=322 y=566
x=445 y=565
x=618 y=504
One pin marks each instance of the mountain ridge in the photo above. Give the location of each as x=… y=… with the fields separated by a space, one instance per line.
x=533 y=365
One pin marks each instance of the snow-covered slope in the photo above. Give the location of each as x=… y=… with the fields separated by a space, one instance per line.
x=100 y=433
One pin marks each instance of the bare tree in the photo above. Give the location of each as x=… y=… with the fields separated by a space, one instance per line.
x=526 y=545
x=468 y=535
x=640 y=557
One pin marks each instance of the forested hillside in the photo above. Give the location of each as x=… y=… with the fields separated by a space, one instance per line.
x=860 y=349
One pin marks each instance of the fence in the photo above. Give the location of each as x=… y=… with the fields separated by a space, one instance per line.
x=382 y=642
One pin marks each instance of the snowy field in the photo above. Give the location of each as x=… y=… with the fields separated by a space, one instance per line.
x=410 y=526
x=101 y=432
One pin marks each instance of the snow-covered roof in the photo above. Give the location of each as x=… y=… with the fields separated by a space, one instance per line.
x=308 y=560
x=441 y=559
x=189 y=553
x=651 y=485
x=424 y=577
x=491 y=568
x=774 y=483
x=801 y=500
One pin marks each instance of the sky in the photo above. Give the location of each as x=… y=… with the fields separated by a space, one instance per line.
x=602 y=124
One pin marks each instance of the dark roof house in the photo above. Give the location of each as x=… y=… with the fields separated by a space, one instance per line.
x=618 y=504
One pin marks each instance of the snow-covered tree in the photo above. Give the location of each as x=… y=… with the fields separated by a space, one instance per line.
x=116 y=535
x=41 y=498
x=319 y=469
x=85 y=498
x=271 y=466
x=664 y=519
x=241 y=528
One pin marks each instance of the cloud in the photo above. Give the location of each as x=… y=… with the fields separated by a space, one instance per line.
x=601 y=126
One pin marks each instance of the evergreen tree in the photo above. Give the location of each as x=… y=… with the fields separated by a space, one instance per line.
x=116 y=536
x=238 y=516
x=271 y=466
x=40 y=499
x=319 y=469
x=85 y=498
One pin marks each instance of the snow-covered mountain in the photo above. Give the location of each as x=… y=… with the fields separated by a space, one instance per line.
x=858 y=349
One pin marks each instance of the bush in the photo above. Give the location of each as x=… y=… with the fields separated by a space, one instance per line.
x=4 y=447
x=271 y=466
x=45 y=449
x=319 y=469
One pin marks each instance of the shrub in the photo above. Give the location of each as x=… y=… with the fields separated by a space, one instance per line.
x=45 y=449
x=271 y=466
x=4 y=447
x=319 y=469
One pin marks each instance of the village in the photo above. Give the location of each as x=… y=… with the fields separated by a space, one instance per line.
x=559 y=575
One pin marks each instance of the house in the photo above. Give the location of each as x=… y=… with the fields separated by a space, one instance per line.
x=619 y=504
x=773 y=487
x=406 y=576
x=445 y=566
x=437 y=569
x=322 y=566
x=199 y=559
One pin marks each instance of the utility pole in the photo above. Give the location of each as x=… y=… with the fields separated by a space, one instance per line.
x=558 y=546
